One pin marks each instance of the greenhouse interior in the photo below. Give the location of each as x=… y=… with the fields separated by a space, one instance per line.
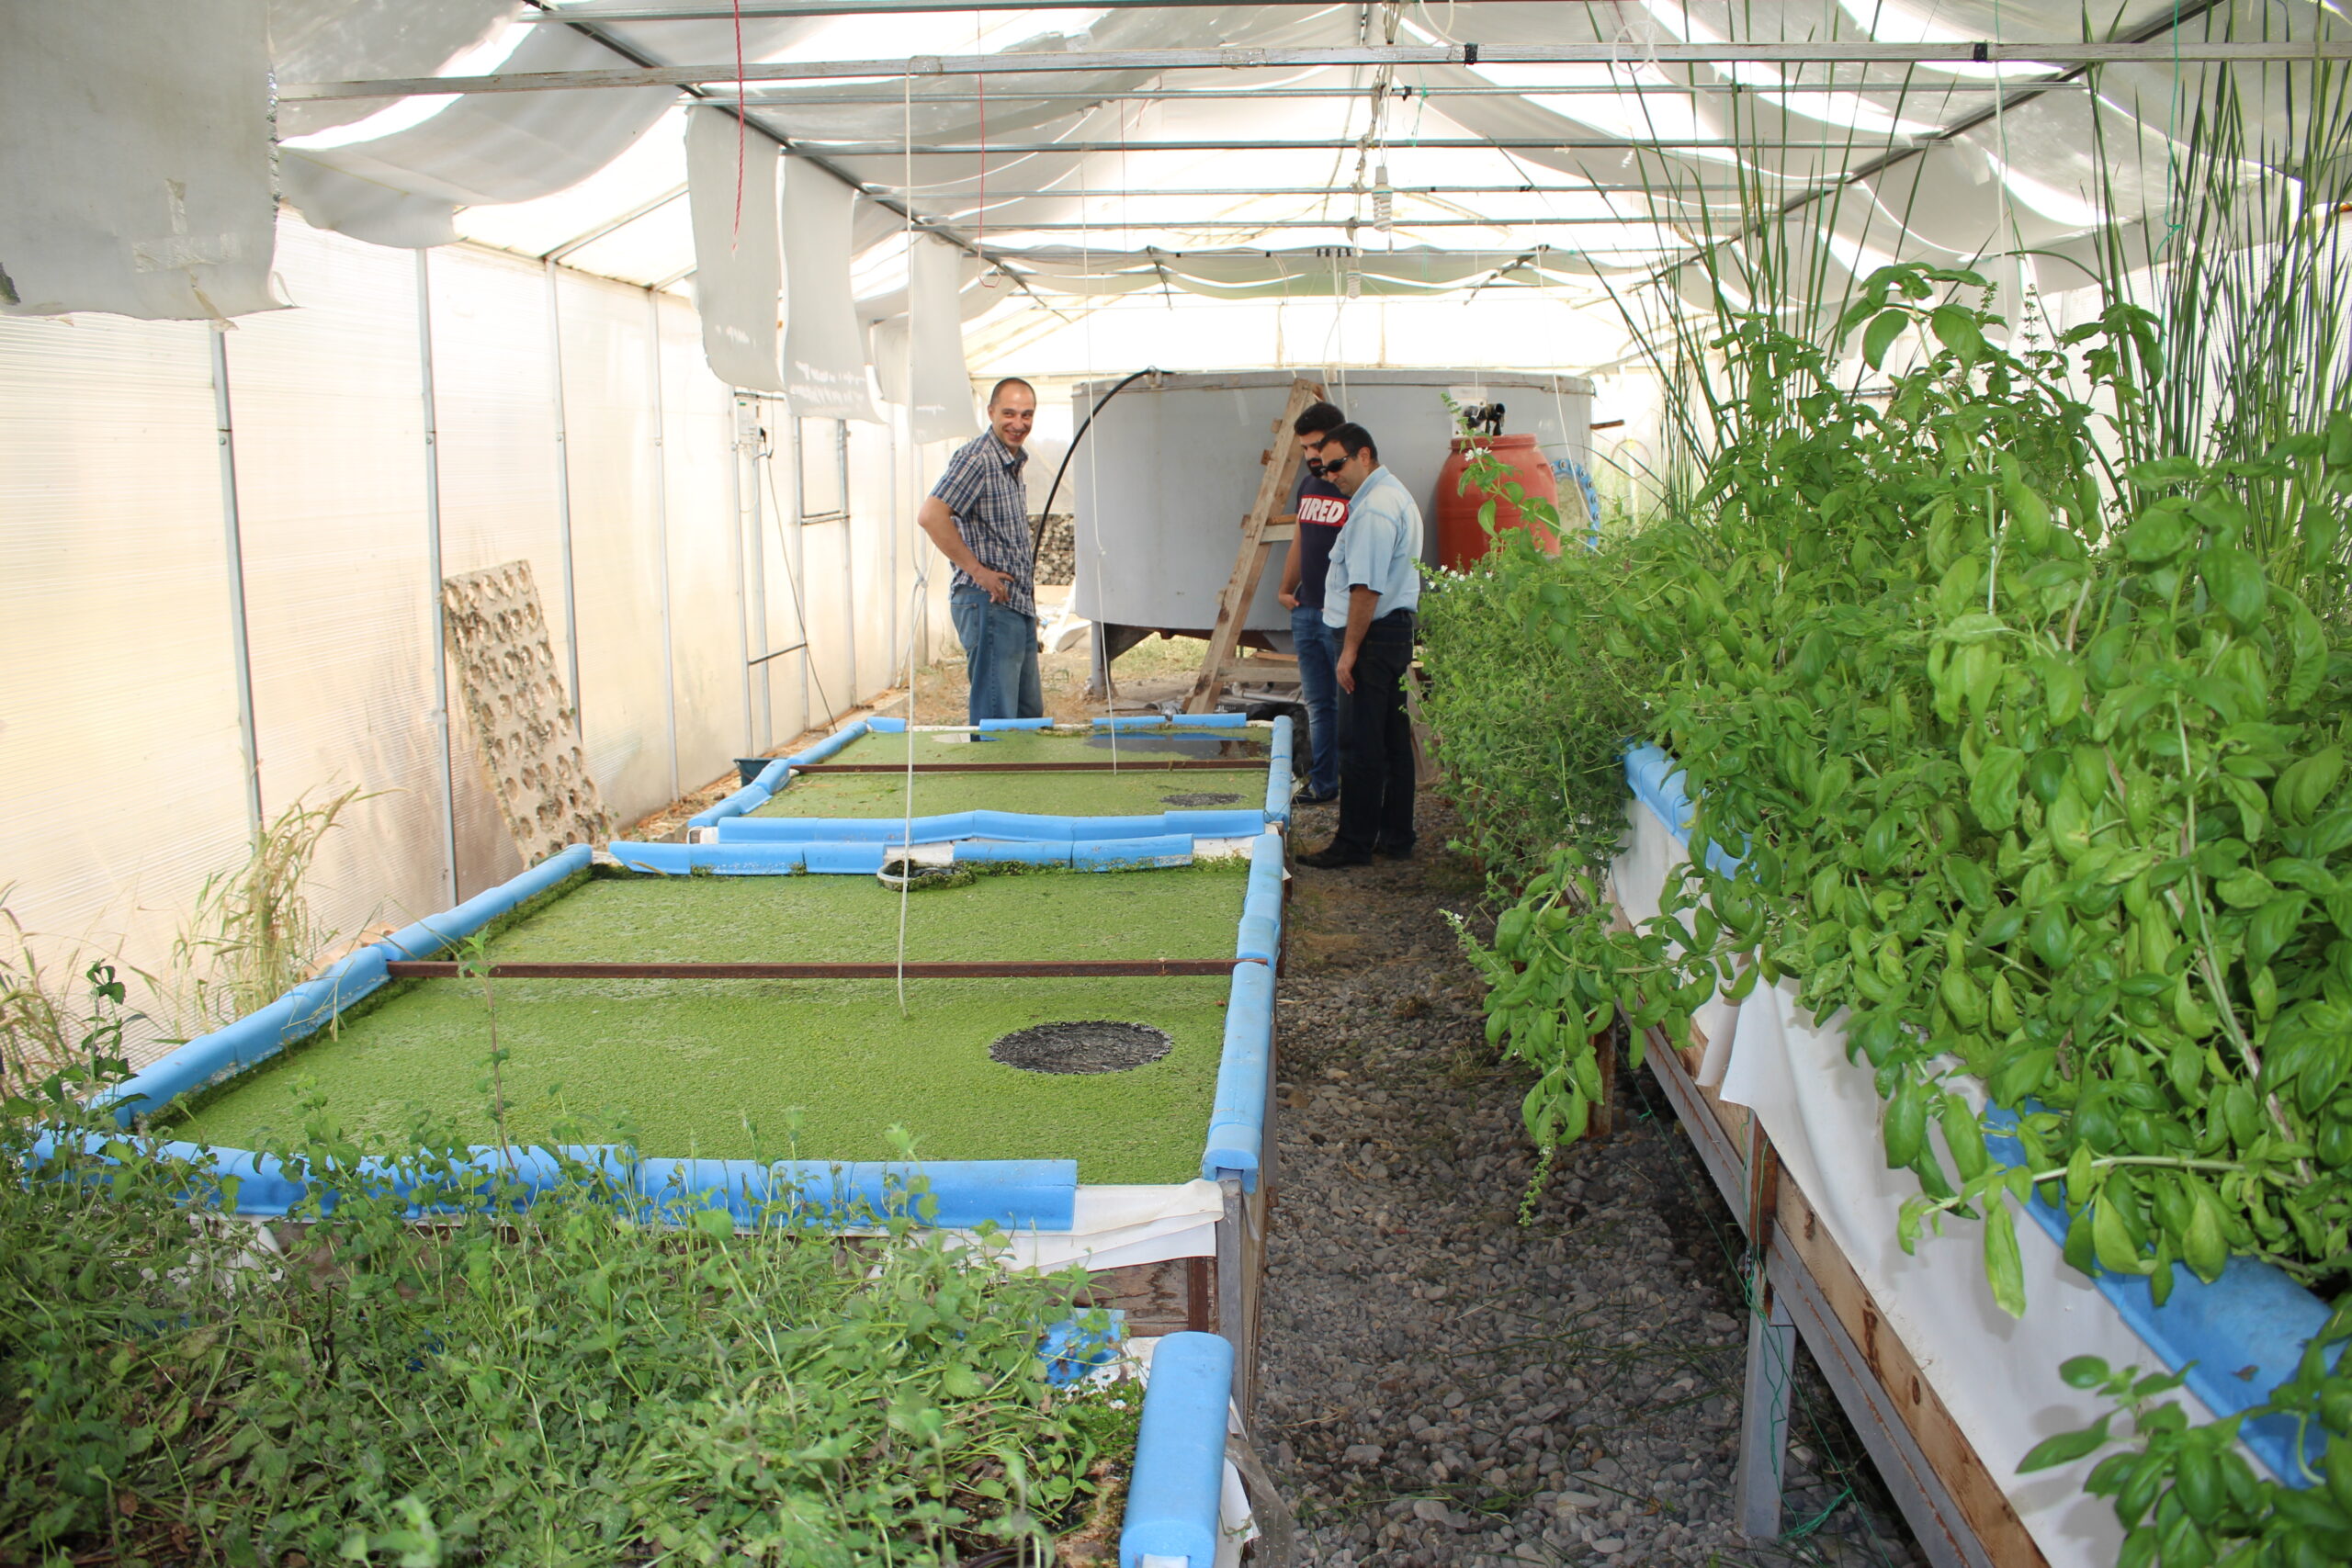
x=1024 y=783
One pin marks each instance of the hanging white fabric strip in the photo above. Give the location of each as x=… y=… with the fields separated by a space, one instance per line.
x=739 y=267
x=824 y=351
x=942 y=382
x=137 y=174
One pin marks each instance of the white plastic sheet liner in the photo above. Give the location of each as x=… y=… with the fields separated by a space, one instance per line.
x=1997 y=1375
x=1113 y=1228
x=136 y=178
x=824 y=352
x=738 y=270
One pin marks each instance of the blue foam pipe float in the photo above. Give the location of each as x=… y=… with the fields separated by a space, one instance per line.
x=1037 y=1194
x=1022 y=852
x=1179 y=1475
x=751 y=798
x=1131 y=721
x=1278 y=779
x=737 y=859
x=773 y=777
x=845 y=860
x=878 y=725
x=314 y=1004
x=1657 y=783
x=435 y=933
x=1237 y=1121
x=1012 y=826
x=1130 y=854
x=987 y=725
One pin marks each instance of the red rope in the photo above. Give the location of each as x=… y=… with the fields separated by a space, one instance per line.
x=742 y=128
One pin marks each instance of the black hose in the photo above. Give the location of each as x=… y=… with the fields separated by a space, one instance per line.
x=1037 y=544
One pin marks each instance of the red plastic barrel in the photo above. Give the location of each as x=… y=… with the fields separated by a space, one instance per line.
x=1460 y=539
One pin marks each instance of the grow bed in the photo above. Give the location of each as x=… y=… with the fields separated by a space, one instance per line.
x=1948 y=1389
x=1140 y=766
x=1138 y=792
x=809 y=1068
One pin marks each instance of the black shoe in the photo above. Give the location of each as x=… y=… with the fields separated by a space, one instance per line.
x=1393 y=852
x=1332 y=857
x=1314 y=797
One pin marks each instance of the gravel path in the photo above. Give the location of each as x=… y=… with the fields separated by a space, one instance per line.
x=1446 y=1386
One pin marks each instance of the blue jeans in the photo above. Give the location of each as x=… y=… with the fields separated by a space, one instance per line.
x=1318 y=658
x=999 y=656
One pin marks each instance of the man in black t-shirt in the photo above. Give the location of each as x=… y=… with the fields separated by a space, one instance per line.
x=1321 y=509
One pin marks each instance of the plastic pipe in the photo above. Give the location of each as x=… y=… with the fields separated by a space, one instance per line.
x=993 y=724
x=736 y=859
x=1237 y=1122
x=1179 y=1476
x=958 y=1194
x=1130 y=854
x=1278 y=779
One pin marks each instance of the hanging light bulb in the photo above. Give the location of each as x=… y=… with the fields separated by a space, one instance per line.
x=1383 y=200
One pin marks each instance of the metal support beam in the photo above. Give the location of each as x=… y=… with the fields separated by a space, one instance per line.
x=1828 y=142
x=437 y=655
x=778 y=9
x=563 y=507
x=2048 y=52
x=661 y=530
x=1764 y=1411
x=240 y=639
x=1630 y=85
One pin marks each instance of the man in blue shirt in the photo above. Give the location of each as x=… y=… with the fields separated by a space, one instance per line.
x=1370 y=596
x=979 y=516
x=1321 y=509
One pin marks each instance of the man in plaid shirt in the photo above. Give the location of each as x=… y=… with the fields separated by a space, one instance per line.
x=979 y=516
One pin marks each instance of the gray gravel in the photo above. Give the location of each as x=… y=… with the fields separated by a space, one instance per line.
x=1442 y=1384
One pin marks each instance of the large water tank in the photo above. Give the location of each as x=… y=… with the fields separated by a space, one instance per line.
x=1165 y=478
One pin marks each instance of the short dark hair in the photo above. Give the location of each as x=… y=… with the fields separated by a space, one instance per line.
x=996 y=393
x=1317 y=419
x=1353 y=439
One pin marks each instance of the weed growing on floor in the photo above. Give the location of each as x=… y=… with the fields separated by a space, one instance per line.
x=251 y=934
x=551 y=1370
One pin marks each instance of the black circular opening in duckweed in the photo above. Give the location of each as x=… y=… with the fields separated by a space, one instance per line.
x=1096 y=1045
x=1201 y=798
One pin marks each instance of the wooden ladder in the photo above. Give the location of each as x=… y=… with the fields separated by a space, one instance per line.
x=1261 y=531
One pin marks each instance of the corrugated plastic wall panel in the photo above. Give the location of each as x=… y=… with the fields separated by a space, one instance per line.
x=331 y=467
x=616 y=559
x=115 y=634
x=493 y=379
x=706 y=616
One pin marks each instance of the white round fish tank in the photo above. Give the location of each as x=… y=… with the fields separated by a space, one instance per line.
x=1164 y=479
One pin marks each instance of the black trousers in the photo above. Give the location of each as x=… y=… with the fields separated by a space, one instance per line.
x=1376 y=742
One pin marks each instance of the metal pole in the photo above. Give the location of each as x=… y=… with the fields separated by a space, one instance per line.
x=735 y=549
x=240 y=642
x=437 y=654
x=661 y=530
x=849 y=572
x=563 y=509
x=752 y=414
x=2036 y=52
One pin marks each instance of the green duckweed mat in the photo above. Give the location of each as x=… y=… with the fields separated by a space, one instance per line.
x=1142 y=794
x=1180 y=912
x=755 y=1069
x=1031 y=746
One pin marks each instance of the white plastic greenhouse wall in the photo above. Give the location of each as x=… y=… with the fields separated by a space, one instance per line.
x=561 y=404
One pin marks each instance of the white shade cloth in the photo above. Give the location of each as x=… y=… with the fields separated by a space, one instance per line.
x=137 y=173
x=738 y=270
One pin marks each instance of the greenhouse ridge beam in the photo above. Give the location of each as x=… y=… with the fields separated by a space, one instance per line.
x=796 y=98
x=1826 y=143
x=1987 y=51
x=779 y=10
